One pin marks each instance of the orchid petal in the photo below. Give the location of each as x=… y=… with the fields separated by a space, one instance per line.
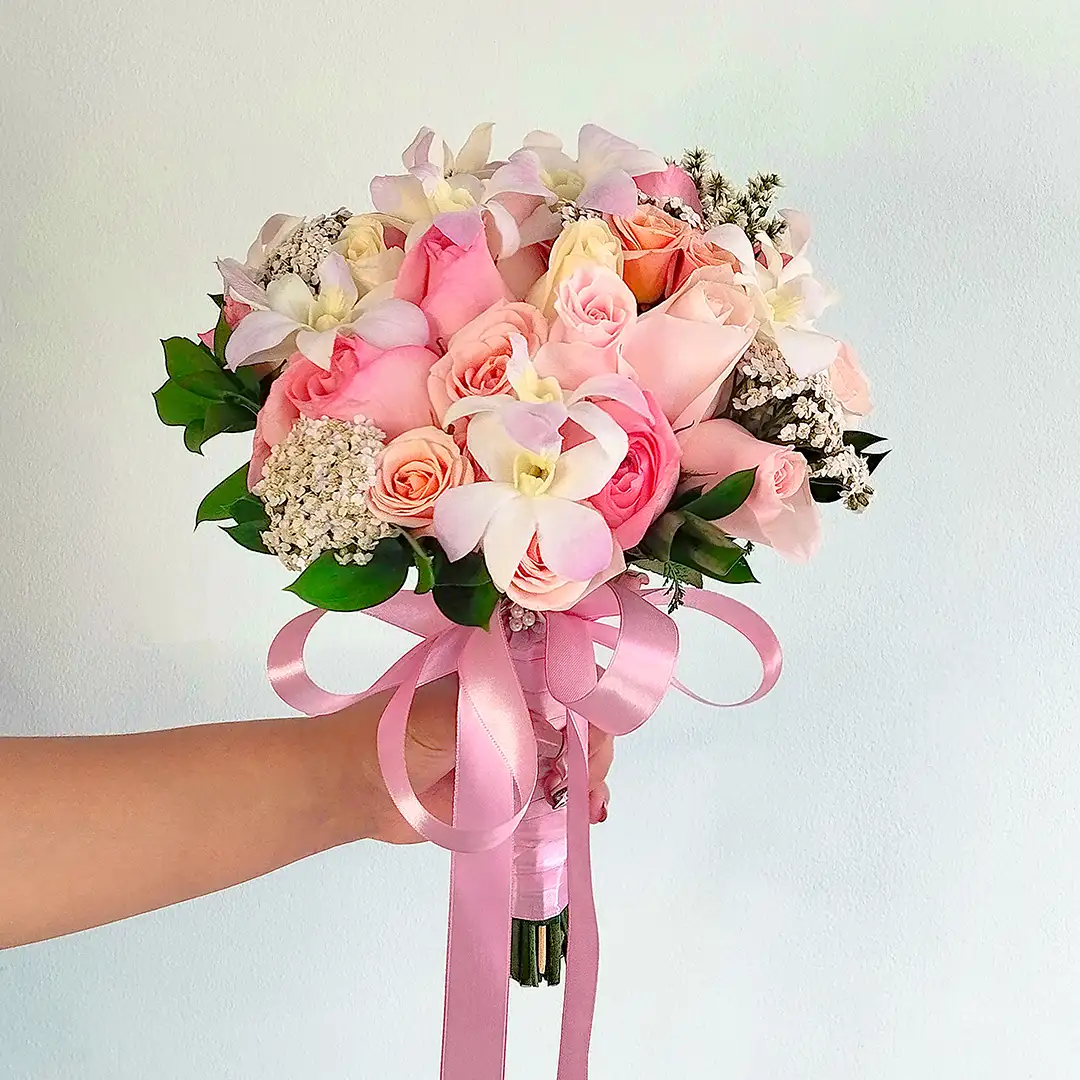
x=519 y=366
x=401 y=197
x=612 y=192
x=619 y=388
x=476 y=152
x=460 y=226
x=239 y=283
x=276 y=229
x=732 y=238
x=534 y=425
x=544 y=139
x=602 y=426
x=492 y=447
x=255 y=333
x=318 y=345
x=418 y=152
x=583 y=470
x=521 y=175
x=598 y=148
x=575 y=542
x=471 y=406
x=797 y=236
x=334 y=273
x=290 y=295
x=806 y=351
x=507 y=538
x=462 y=514
x=392 y=323
x=505 y=229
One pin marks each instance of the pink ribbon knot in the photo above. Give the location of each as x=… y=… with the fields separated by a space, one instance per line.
x=496 y=776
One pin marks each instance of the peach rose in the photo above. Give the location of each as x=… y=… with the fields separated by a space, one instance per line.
x=683 y=349
x=538 y=588
x=475 y=360
x=849 y=382
x=779 y=512
x=700 y=252
x=413 y=470
x=652 y=241
x=593 y=305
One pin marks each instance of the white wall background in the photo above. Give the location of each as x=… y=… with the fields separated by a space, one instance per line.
x=870 y=876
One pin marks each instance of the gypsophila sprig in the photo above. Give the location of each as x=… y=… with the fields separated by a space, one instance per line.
x=314 y=486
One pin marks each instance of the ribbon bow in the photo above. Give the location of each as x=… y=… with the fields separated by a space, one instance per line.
x=496 y=774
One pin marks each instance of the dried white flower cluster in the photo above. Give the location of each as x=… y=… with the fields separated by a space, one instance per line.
x=851 y=473
x=305 y=247
x=673 y=205
x=569 y=211
x=775 y=405
x=315 y=484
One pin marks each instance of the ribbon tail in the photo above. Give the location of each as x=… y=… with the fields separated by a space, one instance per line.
x=583 y=947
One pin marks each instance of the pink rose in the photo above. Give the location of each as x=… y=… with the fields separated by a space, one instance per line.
x=593 y=305
x=476 y=356
x=450 y=275
x=386 y=386
x=683 y=349
x=700 y=252
x=779 y=511
x=642 y=485
x=536 y=587
x=849 y=382
x=413 y=471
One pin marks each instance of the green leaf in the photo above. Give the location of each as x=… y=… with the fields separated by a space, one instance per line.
x=657 y=541
x=184 y=357
x=215 y=505
x=860 y=440
x=221 y=337
x=424 y=562
x=176 y=406
x=247 y=534
x=193 y=436
x=252 y=385
x=672 y=571
x=725 y=498
x=826 y=491
x=463 y=590
x=740 y=573
x=249 y=509
x=713 y=558
x=328 y=585
x=218 y=298
x=874 y=460
x=686 y=498
x=213 y=385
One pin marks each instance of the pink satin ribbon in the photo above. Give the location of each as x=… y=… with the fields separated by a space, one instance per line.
x=496 y=776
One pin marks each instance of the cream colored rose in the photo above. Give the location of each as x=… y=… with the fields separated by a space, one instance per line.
x=588 y=242
x=371 y=262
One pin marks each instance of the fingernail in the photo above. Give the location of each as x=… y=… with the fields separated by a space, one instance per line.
x=602 y=816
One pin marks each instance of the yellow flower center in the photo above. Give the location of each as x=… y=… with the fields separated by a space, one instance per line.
x=565 y=183
x=329 y=309
x=533 y=473
x=445 y=199
x=784 y=306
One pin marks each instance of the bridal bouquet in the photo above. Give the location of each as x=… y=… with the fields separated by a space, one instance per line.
x=522 y=385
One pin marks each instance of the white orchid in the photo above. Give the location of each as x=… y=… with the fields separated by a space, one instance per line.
x=787 y=298
x=289 y=317
x=600 y=178
x=536 y=488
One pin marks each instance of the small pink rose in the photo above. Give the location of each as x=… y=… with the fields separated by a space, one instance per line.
x=645 y=480
x=386 y=386
x=476 y=356
x=536 y=587
x=700 y=252
x=849 y=382
x=413 y=471
x=234 y=311
x=683 y=349
x=593 y=305
x=779 y=512
x=450 y=274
